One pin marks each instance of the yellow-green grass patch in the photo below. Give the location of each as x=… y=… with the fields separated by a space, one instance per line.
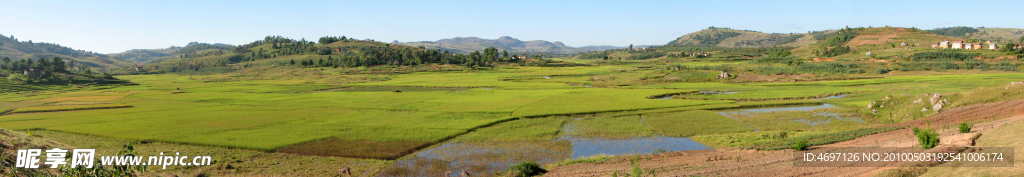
x=690 y=123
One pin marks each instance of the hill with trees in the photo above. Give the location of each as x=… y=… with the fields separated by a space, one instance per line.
x=465 y=45
x=16 y=49
x=725 y=37
x=157 y=55
x=329 y=51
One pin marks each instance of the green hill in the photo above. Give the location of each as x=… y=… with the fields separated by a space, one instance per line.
x=999 y=34
x=725 y=37
x=276 y=51
x=19 y=49
x=466 y=45
x=158 y=55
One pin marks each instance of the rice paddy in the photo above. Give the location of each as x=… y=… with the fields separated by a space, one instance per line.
x=411 y=118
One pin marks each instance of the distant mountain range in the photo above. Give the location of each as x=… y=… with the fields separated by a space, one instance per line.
x=513 y=45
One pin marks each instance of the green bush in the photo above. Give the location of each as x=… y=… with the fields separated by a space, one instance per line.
x=883 y=70
x=18 y=78
x=965 y=127
x=800 y=145
x=527 y=169
x=927 y=137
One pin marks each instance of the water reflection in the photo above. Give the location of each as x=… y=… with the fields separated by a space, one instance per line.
x=483 y=158
x=589 y=147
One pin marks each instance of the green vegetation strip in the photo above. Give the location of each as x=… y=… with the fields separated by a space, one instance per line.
x=821 y=139
x=697 y=122
x=69 y=108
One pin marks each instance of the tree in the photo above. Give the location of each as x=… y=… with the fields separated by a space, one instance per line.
x=630 y=46
x=58 y=65
x=6 y=62
x=1006 y=47
x=292 y=63
x=44 y=63
x=504 y=53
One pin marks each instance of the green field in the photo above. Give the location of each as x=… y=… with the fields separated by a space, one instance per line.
x=394 y=115
x=690 y=123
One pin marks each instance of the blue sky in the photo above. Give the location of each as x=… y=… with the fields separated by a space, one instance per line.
x=116 y=26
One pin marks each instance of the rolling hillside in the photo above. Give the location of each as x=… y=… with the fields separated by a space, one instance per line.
x=999 y=34
x=19 y=49
x=725 y=37
x=466 y=45
x=157 y=55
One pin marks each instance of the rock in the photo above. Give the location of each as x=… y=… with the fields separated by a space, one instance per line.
x=935 y=98
x=959 y=140
x=872 y=104
x=924 y=109
x=917 y=101
x=937 y=107
x=874 y=111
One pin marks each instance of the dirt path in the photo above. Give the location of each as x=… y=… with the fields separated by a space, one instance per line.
x=737 y=162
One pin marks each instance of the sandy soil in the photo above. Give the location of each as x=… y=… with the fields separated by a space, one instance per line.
x=737 y=162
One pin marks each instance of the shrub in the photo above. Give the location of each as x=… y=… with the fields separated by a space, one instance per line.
x=965 y=127
x=18 y=78
x=883 y=70
x=527 y=169
x=800 y=145
x=927 y=137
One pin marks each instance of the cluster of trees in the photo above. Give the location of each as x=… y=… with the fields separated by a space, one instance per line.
x=839 y=38
x=331 y=39
x=49 y=65
x=959 y=31
x=781 y=56
x=1008 y=49
x=833 y=45
x=195 y=49
x=646 y=55
x=945 y=55
x=55 y=71
x=275 y=40
x=833 y=51
x=370 y=56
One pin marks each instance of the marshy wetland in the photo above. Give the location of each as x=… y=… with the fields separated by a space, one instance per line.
x=428 y=123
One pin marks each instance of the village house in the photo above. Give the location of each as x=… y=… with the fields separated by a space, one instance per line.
x=704 y=54
x=1018 y=46
x=993 y=46
x=969 y=46
x=958 y=45
x=34 y=71
x=944 y=44
x=979 y=46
